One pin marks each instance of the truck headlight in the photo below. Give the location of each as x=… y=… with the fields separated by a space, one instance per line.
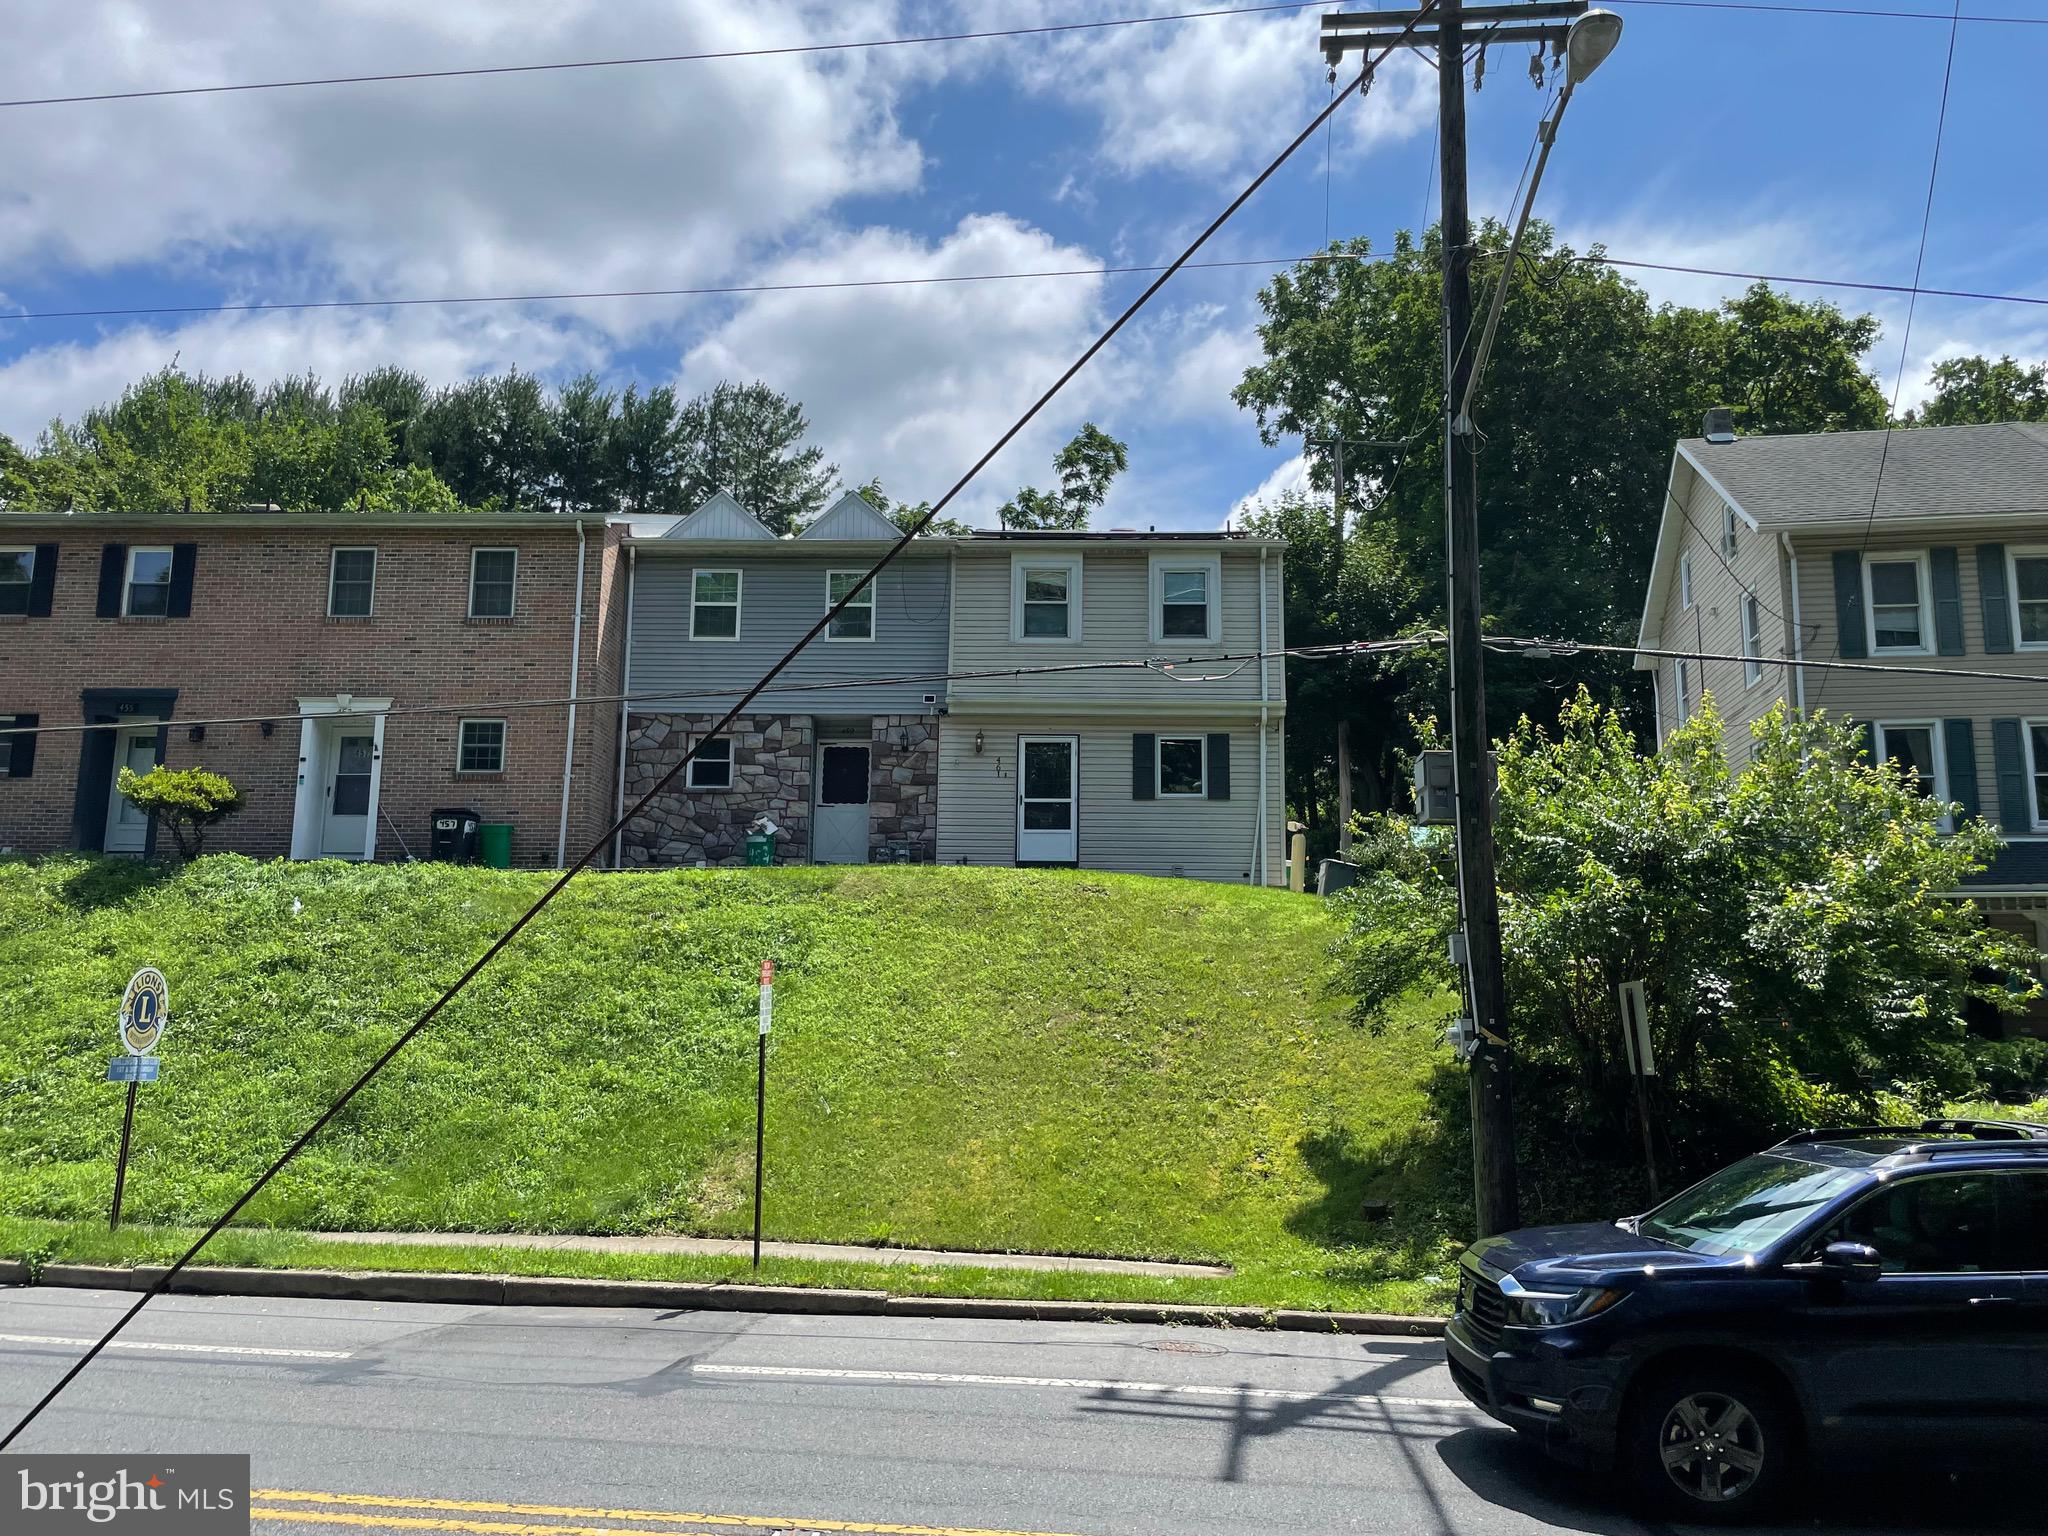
x=1553 y=1309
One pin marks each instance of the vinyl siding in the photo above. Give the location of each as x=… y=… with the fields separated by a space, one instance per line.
x=1201 y=839
x=780 y=599
x=1116 y=625
x=1900 y=696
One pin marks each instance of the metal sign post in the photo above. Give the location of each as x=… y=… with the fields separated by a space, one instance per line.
x=1642 y=1064
x=145 y=1010
x=761 y=1093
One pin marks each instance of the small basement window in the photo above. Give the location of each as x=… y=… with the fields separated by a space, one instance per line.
x=147 y=594
x=17 y=574
x=481 y=747
x=711 y=768
x=1182 y=764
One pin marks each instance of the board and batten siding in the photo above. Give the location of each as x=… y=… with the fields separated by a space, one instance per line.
x=1116 y=625
x=1198 y=839
x=780 y=599
x=1887 y=696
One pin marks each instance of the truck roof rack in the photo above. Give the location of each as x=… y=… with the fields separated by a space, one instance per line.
x=1976 y=1130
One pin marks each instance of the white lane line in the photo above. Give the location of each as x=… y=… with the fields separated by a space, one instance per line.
x=1077 y=1383
x=180 y=1349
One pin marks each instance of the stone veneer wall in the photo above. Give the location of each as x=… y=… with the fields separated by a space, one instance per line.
x=903 y=804
x=771 y=772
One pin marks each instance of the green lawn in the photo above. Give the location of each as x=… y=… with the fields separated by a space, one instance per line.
x=983 y=1059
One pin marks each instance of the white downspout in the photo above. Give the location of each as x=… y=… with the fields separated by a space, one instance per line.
x=1798 y=628
x=1259 y=868
x=625 y=702
x=575 y=676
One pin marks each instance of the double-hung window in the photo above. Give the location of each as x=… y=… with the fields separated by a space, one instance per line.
x=711 y=768
x=1684 y=676
x=1728 y=529
x=2037 y=769
x=17 y=575
x=1752 y=641
x=147 y=592
x=1046 y=597
x=1895 y=587
x=714 y=605
x=2029 y=599
x=1185 y=597
x=480 y=748
x=1183 y=767
x=1685 y=580
x=1914 y=747
x=857 y=620
x=493 y=580
x=351 y=583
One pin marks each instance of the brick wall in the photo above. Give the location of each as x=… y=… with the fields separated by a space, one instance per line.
x=258 y=639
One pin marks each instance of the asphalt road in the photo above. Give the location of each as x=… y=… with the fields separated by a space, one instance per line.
x=370 y=1419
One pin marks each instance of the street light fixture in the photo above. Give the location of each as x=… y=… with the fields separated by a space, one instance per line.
x=1591 y=38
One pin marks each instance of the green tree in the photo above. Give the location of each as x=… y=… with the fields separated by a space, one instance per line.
x=1086 y=466
x=1970 y=391
x=905 y=514
x=581 y=460
x=646 y=467
x=748 y=439
x=188 y=801
x=398 y=395
x=1789 y=919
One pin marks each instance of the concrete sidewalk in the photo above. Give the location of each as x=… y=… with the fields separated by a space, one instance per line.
x=740 y=1247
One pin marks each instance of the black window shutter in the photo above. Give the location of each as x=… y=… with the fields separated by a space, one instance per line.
x=184 y=558
x=1219 y=765
x=1852 y=641
x=42 y=581
x=21 y=749
x=1959 y=741
x=113 y=571
x=1142 y=783
x=1869 y=734
x=1948 y=601
x=2009 y=756
x=1991 y=592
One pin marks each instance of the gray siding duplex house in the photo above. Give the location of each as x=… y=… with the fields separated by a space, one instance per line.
x=846 y=768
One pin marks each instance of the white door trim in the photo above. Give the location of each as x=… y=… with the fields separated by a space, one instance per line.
x=124 y=737
x=315 y=743
x=1038 y=845
x=822 y=846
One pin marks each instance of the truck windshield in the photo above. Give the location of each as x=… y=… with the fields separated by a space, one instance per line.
x=1749 y=1205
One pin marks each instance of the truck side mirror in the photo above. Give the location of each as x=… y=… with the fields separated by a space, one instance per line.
x=1851 y=1261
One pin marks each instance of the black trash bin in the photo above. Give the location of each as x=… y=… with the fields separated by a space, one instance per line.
x=453 y=836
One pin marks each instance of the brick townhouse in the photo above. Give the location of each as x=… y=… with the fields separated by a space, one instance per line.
x=261 y=645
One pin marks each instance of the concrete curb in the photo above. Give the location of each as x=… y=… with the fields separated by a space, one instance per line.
x=540 y=1291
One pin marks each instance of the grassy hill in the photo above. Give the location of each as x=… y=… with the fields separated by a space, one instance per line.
x=985 y=1059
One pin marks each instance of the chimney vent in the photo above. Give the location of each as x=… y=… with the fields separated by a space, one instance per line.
x=1720 y=425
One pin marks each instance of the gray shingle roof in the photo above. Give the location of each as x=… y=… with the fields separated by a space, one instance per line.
x=1928 y=472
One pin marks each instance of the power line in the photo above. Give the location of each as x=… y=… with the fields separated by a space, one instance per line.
x=1906 y=337
x=660 y=786
x=1858 y=12
x=1170 y=666
x=1540 y=648
x=1815 y=282
x=786 y=51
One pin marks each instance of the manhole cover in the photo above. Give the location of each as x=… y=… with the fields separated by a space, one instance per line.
x=1186 y=1347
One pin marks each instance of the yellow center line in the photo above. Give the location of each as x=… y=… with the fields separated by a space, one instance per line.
x=262 y=1499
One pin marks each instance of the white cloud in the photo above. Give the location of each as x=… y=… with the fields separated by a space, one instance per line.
x=1290 y=477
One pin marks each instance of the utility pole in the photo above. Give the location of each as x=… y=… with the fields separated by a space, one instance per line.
x=1444 y=29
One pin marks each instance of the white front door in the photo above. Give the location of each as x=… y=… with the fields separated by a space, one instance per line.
x=1046 y=818
x=839 y=831
x=127 y=827
x=351 y=758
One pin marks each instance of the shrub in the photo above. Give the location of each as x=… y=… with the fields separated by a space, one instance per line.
x=187 y=800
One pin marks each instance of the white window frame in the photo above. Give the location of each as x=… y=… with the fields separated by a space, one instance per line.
x=2013 y=557
x=1728 y=545
x=700 y=759
x=1685 y=578
x=1159 y=789
x=2034 y=769
x=1682 y=683
x=739 y=595
x=128 y=579
x=1924 y=576
x=864 y=603
x=1071 y=564
x=1937 y=746
x=1752 y=620
x=333 y=562
x=504 y=744
x=1211 y=568
x=494 y=549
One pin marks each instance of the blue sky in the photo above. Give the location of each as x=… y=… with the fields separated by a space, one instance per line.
x=1754 y=140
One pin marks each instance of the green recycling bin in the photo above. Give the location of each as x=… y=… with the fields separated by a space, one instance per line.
x=760 y=849
x=494 y=844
